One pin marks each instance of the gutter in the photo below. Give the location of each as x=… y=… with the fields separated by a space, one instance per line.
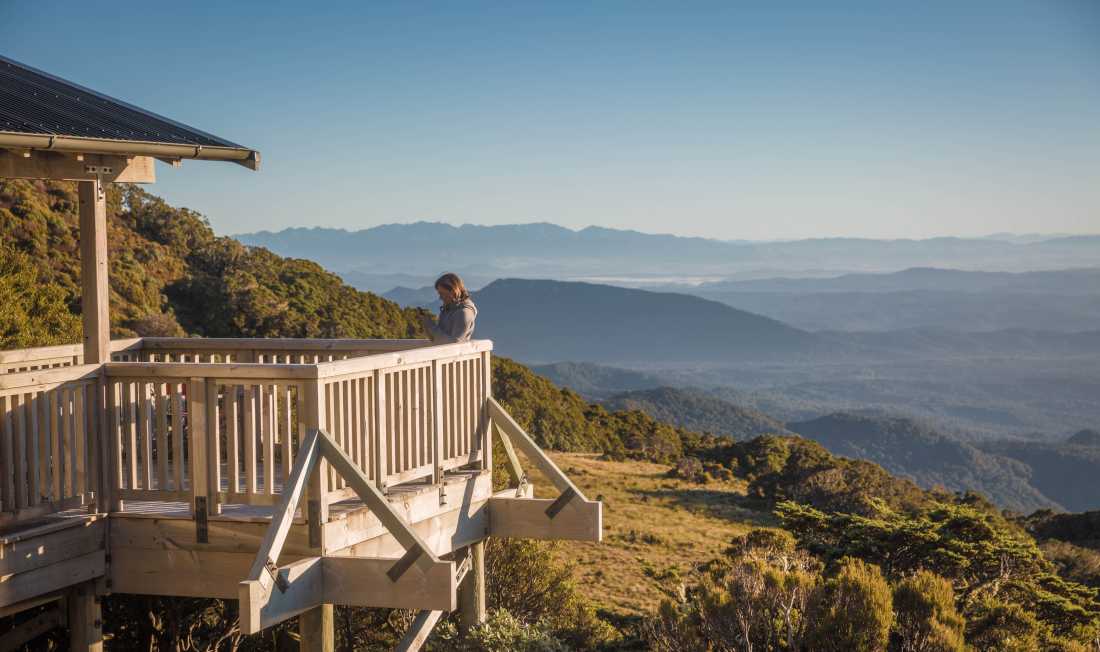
x=246 y=157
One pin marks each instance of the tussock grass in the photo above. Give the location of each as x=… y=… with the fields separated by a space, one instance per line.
x=656 y=528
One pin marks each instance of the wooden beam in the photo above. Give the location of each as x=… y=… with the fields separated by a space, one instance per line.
x=374 y=500
x=283 y=515
x=93 y=272
x=66 y=167
x=26 y=632
x=521 y=439
x=24 y=586
x=363 y=582
x=471 y=593
x=515 y=471
x=527 y=518
x=316 y=630
x=419 y=631
x=263 y=606
x=85 y=619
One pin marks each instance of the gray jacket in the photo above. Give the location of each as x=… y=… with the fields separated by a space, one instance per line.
x=456 y=323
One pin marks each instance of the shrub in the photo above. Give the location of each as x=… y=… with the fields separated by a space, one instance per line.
x=854 y=611
x=926 y=617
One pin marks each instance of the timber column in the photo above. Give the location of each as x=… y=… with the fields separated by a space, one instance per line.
x=93 y=272
x=471 y=592
x=316 y=627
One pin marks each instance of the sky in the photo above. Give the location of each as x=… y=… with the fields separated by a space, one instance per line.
x=726 y=120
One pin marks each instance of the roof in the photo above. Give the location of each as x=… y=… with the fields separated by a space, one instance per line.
x=41 y=111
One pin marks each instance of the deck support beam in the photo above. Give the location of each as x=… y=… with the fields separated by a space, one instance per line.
x=93 y=271
x=85 y=619
x=316 y=628
x=471 y=592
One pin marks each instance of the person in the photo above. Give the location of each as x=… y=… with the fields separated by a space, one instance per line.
x=457 y=314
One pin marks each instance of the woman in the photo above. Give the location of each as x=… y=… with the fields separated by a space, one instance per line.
x=456 y=317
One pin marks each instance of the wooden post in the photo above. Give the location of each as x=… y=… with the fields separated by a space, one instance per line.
x=317 y=629
x=486 y=424
x=85 y=619
x=471 y=593
x=93 y=270
x=197 y=426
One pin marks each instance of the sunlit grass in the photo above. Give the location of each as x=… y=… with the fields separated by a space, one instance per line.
x=656 y=528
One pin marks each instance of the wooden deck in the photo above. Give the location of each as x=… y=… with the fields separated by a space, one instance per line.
x=285 y=474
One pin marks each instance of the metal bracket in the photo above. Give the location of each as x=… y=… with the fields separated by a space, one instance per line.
x=202 y=526
x=522 y=488
x=463 y=568
x=280 y=581
x=442 y=494
x=561 y=502
x=313 y=515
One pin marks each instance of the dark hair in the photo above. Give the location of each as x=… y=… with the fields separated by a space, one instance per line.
x=453 y=283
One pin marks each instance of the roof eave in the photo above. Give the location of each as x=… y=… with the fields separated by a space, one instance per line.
x=242 y=156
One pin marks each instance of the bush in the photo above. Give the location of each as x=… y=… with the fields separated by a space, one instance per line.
x=854 y=612
x=926 y=617
x=501 y=632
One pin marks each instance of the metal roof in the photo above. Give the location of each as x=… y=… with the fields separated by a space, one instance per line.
x=35 y=103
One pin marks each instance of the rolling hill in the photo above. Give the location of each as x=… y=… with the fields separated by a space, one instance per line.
x=697 y=410
x=550 y=321
x=913 y=450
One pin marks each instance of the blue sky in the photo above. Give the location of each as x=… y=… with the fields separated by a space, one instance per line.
x=727 y=120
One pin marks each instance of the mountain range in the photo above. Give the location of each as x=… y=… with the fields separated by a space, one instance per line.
x=373 y=258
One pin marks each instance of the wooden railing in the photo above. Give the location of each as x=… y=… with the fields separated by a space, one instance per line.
x=266 y=351
x=144 y=428
x=228 y=432
x=49 y=457
x=66 y=355
x=208 y=350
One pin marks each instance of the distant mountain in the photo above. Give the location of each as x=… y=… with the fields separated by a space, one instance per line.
x=424 y=297
x=697 y=410
x=547 y=321
x=1069 y=281
x=1089 y=438
x=1065 y=301
x=548 y=251
x=1065 y=471
x=910 y=449
x=596 y=381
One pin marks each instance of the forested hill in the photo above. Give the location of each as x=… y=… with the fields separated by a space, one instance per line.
x=697 y=410
x=915 y=450
x=169 y=273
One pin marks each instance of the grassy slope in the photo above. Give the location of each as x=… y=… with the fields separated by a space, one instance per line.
x=655 y=528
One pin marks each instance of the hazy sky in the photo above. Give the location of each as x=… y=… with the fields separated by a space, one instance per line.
x=729 y=120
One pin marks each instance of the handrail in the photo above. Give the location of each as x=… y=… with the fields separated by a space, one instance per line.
x=365 y=364
x=279 y=344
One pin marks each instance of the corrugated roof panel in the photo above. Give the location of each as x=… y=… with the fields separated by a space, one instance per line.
x=35 y=102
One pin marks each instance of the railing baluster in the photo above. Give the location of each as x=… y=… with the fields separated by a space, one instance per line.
x=178 y=464
x=249 y=410
x=213 y=446
x=378 y=427
x=233 y=437
x=7 y=451
x=268 y=410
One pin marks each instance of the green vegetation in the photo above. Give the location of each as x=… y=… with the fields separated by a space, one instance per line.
x=167 y=266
